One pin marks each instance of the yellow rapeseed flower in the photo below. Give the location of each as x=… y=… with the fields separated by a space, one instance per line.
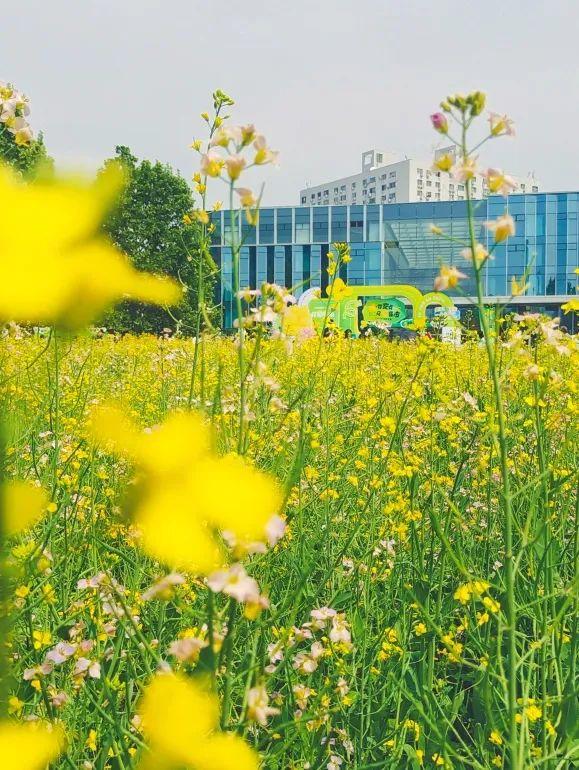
x=185 y=491
x=22 y=504
x=180 y=722
x=56 y=267
x=295 y=319
x=28 y=746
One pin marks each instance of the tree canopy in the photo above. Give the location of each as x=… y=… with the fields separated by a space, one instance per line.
x=148 y=225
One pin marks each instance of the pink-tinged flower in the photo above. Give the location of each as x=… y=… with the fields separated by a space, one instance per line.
x=59 y=699
x=275 y=651
x=85 y=666
x=302 y=694
x=211 y=164
x=187 y=650
x=60 y=653
x=93 y=582
x=224 y=135
x=235 y=165
x=503 y=227
x=464 y=170
x=480 y=254
x=246 y=197
x=32 y=673
x=499 y=182
x=274 y=530
x=234 y=582
x=163 y=588
x=439 y=122
x=305 y=663
x=263 y=154
x=501 y=125
x=448 y=278
x=340 y=630
x=321 y=616
x=258 y=708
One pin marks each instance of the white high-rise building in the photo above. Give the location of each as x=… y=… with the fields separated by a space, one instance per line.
x=387 y=179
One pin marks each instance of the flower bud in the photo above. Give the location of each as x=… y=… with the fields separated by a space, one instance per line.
x=439 y=123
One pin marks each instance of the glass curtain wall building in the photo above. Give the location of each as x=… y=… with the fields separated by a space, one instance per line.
x=392 y=244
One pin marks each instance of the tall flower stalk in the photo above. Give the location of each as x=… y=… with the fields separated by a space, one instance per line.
x=463 y=111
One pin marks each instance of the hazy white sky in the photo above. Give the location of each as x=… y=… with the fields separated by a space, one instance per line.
x=323 y=79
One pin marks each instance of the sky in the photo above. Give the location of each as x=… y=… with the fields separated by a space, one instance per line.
x=324 y=80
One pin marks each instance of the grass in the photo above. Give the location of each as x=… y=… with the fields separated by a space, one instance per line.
x=391 y=465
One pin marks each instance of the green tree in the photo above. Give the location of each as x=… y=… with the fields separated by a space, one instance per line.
x=26 y=158
x=148 y=226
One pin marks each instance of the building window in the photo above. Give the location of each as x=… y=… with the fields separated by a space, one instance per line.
x=429 y=183
x=379 y=157
x=391 y=184
x=372 y=191
x=535 y=188
x=420 y=172
x=392 y=174
x=304 y=198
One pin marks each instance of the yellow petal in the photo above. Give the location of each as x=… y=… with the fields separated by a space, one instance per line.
x=171 y=448
x=29 y=746
x=109 y=428
x=178 y=716
x=235 y=496
x=173 y=532
x=22 y=505
x=225 y=752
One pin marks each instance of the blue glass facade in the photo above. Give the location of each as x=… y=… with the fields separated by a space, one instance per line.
x=393 y=244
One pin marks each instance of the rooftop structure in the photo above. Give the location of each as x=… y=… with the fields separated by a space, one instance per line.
x=386 y=178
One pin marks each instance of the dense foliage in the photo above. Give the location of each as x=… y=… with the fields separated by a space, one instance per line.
x=148 y=225
x=392 y=524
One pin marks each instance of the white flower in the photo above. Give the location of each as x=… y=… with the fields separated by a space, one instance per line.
x=275 y=652
x=335 y=762
x=60 y=653
x=258 y=708
x=163 y=587
x=302 y=694
x=340 y=631
x=86 y=666
x=274 y=530
x=234 y=582
x=188 y=649
x=321 y=616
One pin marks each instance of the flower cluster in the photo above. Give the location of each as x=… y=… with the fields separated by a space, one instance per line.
x=14 y=110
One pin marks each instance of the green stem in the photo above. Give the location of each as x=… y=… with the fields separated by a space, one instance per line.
x=511 y=607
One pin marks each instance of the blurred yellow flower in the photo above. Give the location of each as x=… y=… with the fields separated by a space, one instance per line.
x=295 y=319
x=502 y=227
x=180 y=722
x=22 y=504
x=571 y=306
x=55 y=265
x=185 y=492
x=29 y=746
